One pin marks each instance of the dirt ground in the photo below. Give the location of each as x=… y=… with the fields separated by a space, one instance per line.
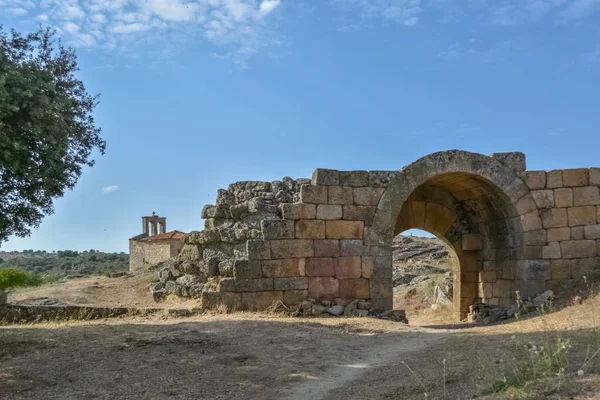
x=257 y=356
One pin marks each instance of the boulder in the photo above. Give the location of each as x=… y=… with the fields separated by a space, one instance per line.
x=336 y=310
x=350 y=310
x=395 y=315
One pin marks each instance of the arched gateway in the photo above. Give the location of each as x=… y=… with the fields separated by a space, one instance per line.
x=329 y=238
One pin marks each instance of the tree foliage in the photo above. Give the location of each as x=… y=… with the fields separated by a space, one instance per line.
x=47 y=132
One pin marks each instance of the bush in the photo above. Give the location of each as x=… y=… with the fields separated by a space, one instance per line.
x=11 y=277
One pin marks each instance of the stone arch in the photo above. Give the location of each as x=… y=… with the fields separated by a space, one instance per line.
x=476 y=204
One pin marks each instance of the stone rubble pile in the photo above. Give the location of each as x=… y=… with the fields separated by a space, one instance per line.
x=356 y=308
x=486 y=314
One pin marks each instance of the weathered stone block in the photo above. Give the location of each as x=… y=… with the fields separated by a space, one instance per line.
x=536 y=238
x=310 y=229
x=525 y=204
x=381 y=179
x=531 y=221
x=354 y=178
x=535 y=179
x=367 y=265
x=585 y=215
x=218 y=250
x=359 y=213
x=472 y=241
x=552 y=251
x=513 y=160
x=529 y=252
x=502 y=288
x=578 y=248
x=577 y=233
x=591 y=231
x=586 y=196
x=344 y=229
x=327 y=248
x=543 y=198
x=296 y=283
x=353 y=248
x=529 y=289
x=292 y=297
x=354 y=288
x=368 y=196
x=327 y=177
x=554 y=218
x=329 y=211
x=563 y=197
x=298 y=211
x=233 y=301
x=554 y=179
x=245 y=285
x=347 y=267
x=210 y=211
x=313 y=194
x=595 y=176
x=559 y=234
x=381 y=251
x=380 y=289
x=584 y=267
x=533 y=269
x=258 y=249
x=560 y=269
x=283 y=268
x=320 y=266
x=260 y=300
x=277 y=229
x=323 y=288
x=340 y=195
x=575 y=177
x=247 y=269
x=296 y=248
x=485 y=290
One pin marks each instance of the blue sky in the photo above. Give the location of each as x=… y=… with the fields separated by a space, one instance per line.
x=200 y=94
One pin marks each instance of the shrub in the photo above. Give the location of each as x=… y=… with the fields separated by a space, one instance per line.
x=11 y=277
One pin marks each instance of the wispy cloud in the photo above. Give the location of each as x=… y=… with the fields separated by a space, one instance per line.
x=241 y=25
x=405 y=12
x=110 y=189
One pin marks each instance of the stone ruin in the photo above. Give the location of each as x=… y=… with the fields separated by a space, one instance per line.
x=328 y=240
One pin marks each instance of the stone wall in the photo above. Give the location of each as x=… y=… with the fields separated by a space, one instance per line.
x=144 y=254
x=329 y=238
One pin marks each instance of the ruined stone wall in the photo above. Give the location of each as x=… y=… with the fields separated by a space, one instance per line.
x=143 y=254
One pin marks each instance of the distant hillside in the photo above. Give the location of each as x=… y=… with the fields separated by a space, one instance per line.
x=65 y=262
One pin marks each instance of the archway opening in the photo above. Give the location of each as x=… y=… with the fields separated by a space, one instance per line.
x=479 y=223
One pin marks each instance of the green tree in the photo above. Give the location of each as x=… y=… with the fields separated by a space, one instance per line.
x=47 y=132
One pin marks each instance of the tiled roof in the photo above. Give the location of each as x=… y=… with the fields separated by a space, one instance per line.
x=173 y=235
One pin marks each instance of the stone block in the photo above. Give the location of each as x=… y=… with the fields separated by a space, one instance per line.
x=292 y=297
x=584 y=267
x=283 y=268
x=585 y=215
x=531 y=221
x=258 y=249
x=595 y=176
x=530 y=289
x=327 y=177
x=354 y=288
x=578 y=248
x=533 y=269
x=575 y=177
x=552 y=251
x=354 y=178
x=277 y=229
x=339 y=195
x=513 y=160
x=381 y=251
x=310 y=229
x=472 y=241
x=554 y=179
x=530 y=252
x=508 y=270
x=218 y=212
x=554 y=218
x=313 y=194
x=320 y=266
x=485 y=290
x=382 y=268
x=245 y=285
x=246 y=269
x=347 y=267
x=367 y=266
x=577 y=233
x=586 y=196
x=323 y=288
x=559 y=234
x=359 y=213
x=381 y=179
x=298 y=211
x=563 y=197
x=543 y=198
x=233 y=301
x=535 y=179
x=327 y=248
x=525 y=204
x=260 y=300
x=536 y=238
x=591 y=231
x=329 y=211
x=296 y=248
x=295 y=283
x=353 y=248
x=368 y=196
x=380 y=289
x=560 y=269
x=344 y=229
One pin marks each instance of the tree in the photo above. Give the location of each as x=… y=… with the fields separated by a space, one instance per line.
x=47 y=132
